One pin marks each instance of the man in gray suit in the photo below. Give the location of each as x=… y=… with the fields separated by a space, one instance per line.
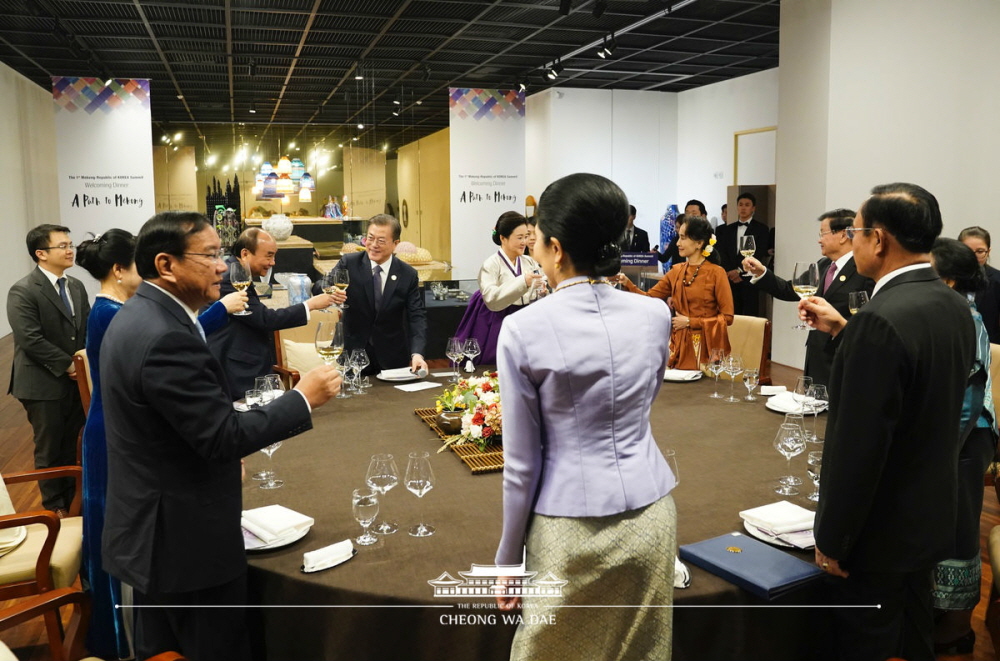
x=47 y=311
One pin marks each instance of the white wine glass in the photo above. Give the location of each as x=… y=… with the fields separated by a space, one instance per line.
x=716 y=357
x=751 y=379
x=239 y=278
x=381 y=477
x=816 y=398
x=326 y=284
x=455 y=352
x=330 y=346
x=271 y=481
x=748 y=246
x=733 y=366
x=815 y=463
x=341 y=280
x=471 y=349
x=419 y=480
x=805 y=283
x=364 y=505
x=789 y=443
x=856 y=300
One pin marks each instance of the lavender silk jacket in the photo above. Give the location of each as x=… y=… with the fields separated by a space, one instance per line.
x=579 y=370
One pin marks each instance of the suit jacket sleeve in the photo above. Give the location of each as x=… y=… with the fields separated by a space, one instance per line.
x=262 y=318
x=215 y=317
x=417 y=316
x=29 y=336
x=779 y=288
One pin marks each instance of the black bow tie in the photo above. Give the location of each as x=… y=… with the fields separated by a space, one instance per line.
x=744 y=224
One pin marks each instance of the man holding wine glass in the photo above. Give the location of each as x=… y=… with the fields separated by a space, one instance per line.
x=732 y=242
x=245 y=346
x=838 y=277
x=172 y=527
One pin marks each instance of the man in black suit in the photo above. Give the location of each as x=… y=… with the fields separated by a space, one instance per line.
x=633 y=239
x=746 y=299
x=172 y=521
x=887 y=503
x=385 y=308
x=47 y=311
x=838 y=276
x=245 y=346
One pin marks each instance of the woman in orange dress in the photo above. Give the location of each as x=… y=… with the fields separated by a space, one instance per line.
x=698 y=294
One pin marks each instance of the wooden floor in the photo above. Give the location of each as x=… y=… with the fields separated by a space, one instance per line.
x=29 y=642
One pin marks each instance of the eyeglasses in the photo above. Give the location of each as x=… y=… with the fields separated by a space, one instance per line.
x=823 y=233
x=61 y=246
x=219 y=255
x=380 y=242
x=982 y=251
x=852 y=231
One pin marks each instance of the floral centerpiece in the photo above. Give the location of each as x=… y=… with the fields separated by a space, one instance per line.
x=478 y=399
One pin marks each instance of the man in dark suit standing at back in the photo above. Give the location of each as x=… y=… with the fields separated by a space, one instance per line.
x=47 y=310
x=245 y=346
x=634 y=239
x=838 y=276
x=888 y=497
x=746 y=300
x=172 y=524
x=385 y=313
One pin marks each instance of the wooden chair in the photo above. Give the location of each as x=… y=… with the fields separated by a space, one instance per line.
x=994 y=468
x=993 y=607
x=750 y=338
x=301 y=355
x=86 y=385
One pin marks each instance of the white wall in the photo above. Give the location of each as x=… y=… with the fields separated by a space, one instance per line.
x=28 y=151
x=707 y=118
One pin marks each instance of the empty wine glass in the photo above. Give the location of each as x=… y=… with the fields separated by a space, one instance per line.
x=856 y=300
x=815 y=461
x=419 y=480
x=789 y=443
x=344 y=365
x=471 y=349
x=715 y=360
x=359 y=361
x=239 y=278
x=365 y=384
x=382 y=476
x=748 y=246
x=262 y=385
x=696 y=343
x=751 y=378
x=277 y=385
x=733 y=366
x=364 y=504
x=798 y=420
x=800 y=392
x=270 y=480
x=805 y=283
x=455 y=351
x=816 y=398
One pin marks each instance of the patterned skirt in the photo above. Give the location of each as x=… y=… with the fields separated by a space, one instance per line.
x=624 y=563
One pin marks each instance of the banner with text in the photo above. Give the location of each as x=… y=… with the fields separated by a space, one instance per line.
x=487 y=170
x=105 y=154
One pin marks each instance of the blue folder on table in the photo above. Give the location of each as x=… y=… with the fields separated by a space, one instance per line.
x=753 y=565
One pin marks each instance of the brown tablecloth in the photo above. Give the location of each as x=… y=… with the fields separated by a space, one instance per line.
x=379 y=605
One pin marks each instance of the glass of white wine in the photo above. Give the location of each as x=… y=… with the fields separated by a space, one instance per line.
x=239 y=278
x=341 y=280
x=748 y=246
x=805 y=283
x=856 y=300
x=330 y=345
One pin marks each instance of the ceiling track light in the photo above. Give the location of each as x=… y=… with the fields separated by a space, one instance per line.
x=555 y=70
x=253 y=108
x=602 y=50
x=358 y=73
x=599 y=8
x=523 y=87
x=564 y=7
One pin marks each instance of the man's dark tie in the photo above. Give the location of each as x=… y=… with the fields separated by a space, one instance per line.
x=64 y=296
x=829 y=276
x=377 y=281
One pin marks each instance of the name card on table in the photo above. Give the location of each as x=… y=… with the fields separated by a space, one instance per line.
x=638 y=259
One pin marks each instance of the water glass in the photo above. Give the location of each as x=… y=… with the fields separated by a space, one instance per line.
x=263 y=385
x=815 y=461
x=364 y=504
x=751 y=378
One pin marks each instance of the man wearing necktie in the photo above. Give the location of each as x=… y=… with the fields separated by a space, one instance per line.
x=634 y=239
x=385 y=307
x=47 y=310
x=746 y=300
x=838 y=277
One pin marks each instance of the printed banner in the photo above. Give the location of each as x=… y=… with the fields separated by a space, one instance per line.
x=487 y=170
x=105 y=154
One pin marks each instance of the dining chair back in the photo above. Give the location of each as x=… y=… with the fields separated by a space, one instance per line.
x=750 y=338
x=295 y=347
x=86 y=383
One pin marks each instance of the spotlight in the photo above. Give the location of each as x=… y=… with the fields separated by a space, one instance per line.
x=602 y=50
x=396 y=101
x=358 y=74
x=599 y=8
x=107 y=83
x=555 y=70
x=523 y=87
x=612 y=46
x=395 y=112
x=564 y=6
x=361 y=127
x=253 y=108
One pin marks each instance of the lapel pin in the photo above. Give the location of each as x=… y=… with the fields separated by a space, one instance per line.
x=843 y=278
x=393 y=278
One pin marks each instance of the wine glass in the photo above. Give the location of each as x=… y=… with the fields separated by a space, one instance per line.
x=471 y=349
x=263 y=385
x=856 y=300
x=253 y=399
x=239 y=278
x=815 y=461
x=671 y=457
x=326 y=284
x=455 y=351
x=419 y=480
x=796 y=419
x=788 y=443
x=349 y=359
x=751 y=377
x=800 y=392
x=805 y=283
x=270 y=481
x=344 y=366
x=696 y=343
x=817 y=398
x=748 y=246
x=341 y=280
x=359 y=361
x=715 y=360
x=329 y=340
x=733 y=366
x=364 y=504
x=277 y=385
x=365 y=384
x=381 y=477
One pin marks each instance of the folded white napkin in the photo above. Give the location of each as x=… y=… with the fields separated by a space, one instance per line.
x=421 y=385
x=681 y=375
x=328 y=556
x=779 y=517
x=767 y=391
x=682 y=577
x=275 y=522
x=401 y=373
